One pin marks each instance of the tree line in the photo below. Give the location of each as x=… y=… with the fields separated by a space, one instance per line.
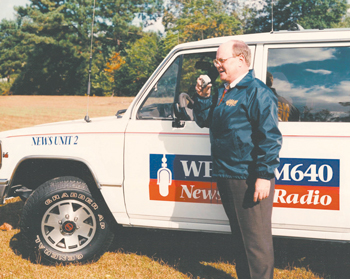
x=46 y=49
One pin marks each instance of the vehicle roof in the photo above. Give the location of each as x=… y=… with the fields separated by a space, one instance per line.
x=304 y=36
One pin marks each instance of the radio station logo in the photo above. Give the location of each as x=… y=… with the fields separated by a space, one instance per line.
x=182 y=178
x=307 y=183
x=300 y=183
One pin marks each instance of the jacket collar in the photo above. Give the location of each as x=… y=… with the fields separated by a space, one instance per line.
x=247 y=79
x=244 y=83
x=235 y=82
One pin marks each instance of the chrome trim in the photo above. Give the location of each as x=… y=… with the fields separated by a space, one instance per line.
x=4 y=184
x=110 y=185
x=3 y=181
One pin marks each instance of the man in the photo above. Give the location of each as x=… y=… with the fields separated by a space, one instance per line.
x=245 y=145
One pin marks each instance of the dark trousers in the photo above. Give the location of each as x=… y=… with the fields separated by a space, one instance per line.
x=251 y=227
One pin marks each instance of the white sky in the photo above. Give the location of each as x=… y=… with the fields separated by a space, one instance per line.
x=6 y=8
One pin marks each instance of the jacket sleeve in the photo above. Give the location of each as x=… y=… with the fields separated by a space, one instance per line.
x=267 y=138
x=202 y=110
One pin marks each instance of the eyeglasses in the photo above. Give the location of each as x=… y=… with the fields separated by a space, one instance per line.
x=218 y=62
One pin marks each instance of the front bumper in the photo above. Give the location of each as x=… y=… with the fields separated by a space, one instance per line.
x=4 y=186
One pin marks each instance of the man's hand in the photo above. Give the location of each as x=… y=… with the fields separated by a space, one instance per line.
x=262 y=189
x=203 y=92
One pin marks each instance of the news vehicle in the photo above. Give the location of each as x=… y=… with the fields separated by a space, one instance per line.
x=149 y=165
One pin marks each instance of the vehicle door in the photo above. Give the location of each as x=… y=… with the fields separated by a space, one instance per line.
x=312 y=84
x=167 y=158
x=168 y=179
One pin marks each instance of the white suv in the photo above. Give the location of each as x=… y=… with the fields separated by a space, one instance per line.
x=150 y=165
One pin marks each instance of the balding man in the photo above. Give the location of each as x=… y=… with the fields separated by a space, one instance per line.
x=245 y=144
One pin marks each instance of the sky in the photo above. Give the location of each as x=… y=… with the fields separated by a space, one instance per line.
x=6 y=8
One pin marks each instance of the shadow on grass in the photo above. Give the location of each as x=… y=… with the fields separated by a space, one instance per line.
x=11 y=213
x=329 y=259
x=187 y=251
x=18 y=247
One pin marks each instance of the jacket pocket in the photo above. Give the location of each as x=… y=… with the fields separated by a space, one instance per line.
x=226 y=147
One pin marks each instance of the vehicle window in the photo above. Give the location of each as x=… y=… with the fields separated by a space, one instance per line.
x=181 y=77
x=193 y=66
x=158 y=104
x=311 y=84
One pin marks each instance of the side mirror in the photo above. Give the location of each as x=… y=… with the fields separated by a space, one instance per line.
x=120 y=112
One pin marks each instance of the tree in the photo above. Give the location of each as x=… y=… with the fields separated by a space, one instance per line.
x=184 y=20
x=59 y=33
x=105 y=80
x=142 y=58
x=57 y=58
x=192 y=20
x=11 y=56
x=345 y=21
x=312 y=14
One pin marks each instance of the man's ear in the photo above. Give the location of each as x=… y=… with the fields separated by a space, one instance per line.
x=241 y=59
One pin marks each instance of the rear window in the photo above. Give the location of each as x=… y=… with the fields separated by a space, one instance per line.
x=312 y=84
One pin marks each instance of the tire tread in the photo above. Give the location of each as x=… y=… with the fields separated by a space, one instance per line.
x=43 y=191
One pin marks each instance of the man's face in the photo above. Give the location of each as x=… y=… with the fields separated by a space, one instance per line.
x=231 y=68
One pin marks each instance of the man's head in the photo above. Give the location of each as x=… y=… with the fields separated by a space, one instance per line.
x=269 y=79
x=232 y=60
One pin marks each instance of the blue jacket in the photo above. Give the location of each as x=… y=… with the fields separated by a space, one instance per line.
x=244 y=135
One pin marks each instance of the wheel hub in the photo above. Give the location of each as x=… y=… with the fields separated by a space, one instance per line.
x=69 y=227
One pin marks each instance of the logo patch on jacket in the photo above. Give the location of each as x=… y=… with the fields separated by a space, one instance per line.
x=231 y=103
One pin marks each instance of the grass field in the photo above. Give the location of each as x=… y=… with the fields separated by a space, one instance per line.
x=140 y=253
x=26 y=111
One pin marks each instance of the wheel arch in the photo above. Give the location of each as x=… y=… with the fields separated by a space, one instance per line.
x=31 y=172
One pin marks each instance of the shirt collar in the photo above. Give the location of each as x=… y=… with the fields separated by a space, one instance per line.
x=236 y=81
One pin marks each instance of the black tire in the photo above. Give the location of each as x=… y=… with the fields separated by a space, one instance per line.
x=61 y=223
